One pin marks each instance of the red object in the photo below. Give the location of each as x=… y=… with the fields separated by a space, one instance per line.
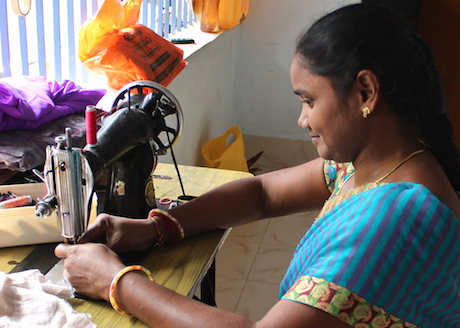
x=165 y=201
x=254 y=159
x=91 y=125
x=16 y=202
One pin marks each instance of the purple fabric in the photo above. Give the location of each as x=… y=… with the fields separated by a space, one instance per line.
x=29 y=102
x=22 y=150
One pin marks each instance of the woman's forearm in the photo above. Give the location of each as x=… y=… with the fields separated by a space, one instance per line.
x=160 y=307
x=296 y=189
x=235 y=203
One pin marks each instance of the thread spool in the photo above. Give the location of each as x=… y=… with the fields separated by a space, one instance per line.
x=91 y=125
x=16 y=202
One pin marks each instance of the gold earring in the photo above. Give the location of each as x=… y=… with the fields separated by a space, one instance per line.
x=366 y=111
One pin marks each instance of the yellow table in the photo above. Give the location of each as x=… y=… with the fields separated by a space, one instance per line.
x=180 y=267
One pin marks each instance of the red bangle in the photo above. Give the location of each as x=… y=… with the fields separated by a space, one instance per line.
x=160 y=235
x=165 y=215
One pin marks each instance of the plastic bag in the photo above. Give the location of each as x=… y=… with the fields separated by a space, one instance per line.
x=218 y=154
x=111 y=44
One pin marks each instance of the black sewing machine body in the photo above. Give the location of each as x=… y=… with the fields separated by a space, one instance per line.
x=146 y=120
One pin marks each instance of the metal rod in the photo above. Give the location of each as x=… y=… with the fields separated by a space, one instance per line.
x=175 y=164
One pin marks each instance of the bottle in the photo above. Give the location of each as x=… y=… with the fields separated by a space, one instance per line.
x=210 y=16
x=198 y=8
x=232 y=12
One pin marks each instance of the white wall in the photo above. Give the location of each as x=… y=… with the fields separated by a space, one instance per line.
x=243 y=77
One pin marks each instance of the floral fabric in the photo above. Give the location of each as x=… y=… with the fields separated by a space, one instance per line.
x=342 y=303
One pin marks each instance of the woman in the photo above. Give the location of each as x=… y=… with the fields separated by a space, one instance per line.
x=385 y=249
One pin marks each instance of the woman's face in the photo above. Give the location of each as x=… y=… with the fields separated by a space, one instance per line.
x=333 y=122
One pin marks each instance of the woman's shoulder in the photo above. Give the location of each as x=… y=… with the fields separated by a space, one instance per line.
x=375 y=200
x=409 y=201
x=427 y=172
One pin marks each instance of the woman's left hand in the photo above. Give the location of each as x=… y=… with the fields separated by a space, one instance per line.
x=90 y=268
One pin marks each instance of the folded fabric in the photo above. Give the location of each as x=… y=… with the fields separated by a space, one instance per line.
x=22 y=150
x=29 y=102
x=28 y=299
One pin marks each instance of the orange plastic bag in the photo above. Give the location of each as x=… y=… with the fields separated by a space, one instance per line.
x=218 y=154
x=112 y=45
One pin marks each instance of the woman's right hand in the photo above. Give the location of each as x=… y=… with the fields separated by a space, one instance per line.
x=121 y=234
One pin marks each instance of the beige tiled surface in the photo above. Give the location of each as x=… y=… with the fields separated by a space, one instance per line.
x=252 y=263
x=253 y=260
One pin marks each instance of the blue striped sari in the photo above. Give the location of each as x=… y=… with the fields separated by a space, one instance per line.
x=387 y=255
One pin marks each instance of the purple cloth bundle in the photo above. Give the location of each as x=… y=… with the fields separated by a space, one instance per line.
x=22 y=150
x=29 y=102
x=33 y=112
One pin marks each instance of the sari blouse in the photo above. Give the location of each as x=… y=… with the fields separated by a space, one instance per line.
x=380 y=255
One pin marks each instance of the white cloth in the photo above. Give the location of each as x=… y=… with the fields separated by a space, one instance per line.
x=28 y=299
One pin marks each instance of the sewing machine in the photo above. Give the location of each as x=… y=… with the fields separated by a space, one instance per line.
x=145 y=121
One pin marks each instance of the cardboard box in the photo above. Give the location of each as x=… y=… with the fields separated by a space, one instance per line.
x=19 y=226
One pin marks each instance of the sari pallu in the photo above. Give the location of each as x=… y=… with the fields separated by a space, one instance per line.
x=386 y=255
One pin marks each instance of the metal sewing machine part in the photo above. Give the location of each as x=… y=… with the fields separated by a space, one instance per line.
x=145 y=121
x=69 y=185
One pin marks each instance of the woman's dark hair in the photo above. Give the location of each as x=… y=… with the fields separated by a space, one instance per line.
x=363 y=36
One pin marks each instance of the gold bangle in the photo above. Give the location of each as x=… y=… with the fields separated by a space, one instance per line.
x=160 y=235
x=115 y=282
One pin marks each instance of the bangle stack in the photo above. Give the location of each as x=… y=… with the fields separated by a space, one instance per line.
x=115 y=282
x=166 y=219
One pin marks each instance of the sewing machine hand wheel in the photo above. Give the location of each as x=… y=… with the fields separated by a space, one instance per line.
x=161 y=104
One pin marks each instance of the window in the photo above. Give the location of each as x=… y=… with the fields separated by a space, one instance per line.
x=40 y=37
